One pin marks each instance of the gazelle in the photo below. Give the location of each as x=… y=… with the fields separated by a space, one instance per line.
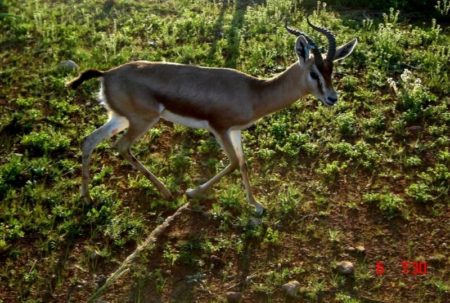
x=224 y=101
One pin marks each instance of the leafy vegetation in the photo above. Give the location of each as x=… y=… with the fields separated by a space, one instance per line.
x=373 y=170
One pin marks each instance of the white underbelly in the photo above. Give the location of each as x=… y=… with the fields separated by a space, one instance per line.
x=183 y=120
x=194 y=123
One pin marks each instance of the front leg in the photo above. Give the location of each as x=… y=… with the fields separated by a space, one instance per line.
x=236 y=141
x=194 y=192
x=231 y=143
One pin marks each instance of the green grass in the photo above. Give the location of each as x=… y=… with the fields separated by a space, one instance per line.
x=372 y=170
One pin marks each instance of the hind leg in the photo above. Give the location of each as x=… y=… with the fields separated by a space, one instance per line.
x=137 y=128
x=114 y=125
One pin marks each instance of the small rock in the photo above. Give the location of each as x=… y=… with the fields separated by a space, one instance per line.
x=360 y=249
x=350 y=249
x=67 y=66
x=152 y=43
x=345 y=267
x=291 y=288
x=234 y=297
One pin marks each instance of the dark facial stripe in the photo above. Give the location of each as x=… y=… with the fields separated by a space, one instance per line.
x=319 y=85
x=326 y=70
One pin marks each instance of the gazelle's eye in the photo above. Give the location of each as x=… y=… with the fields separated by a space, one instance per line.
x=314 y=75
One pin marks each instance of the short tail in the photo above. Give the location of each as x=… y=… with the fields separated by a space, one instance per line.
x=86 y=75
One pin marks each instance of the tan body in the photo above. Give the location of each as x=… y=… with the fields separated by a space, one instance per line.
x=148 y=88
x=224 y=101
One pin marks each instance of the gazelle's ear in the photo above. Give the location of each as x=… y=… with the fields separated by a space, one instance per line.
x=302 y=49
x=345 y=50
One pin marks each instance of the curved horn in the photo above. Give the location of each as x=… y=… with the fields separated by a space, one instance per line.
x=297 y=33
x=317 y=55
x=292 y=30
x=331 y=40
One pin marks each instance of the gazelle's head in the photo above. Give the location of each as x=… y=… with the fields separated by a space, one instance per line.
x=319 y=69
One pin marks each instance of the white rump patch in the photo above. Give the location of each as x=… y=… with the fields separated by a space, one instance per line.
x=102 y=97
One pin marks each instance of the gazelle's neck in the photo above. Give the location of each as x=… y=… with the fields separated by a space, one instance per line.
x=280 y=91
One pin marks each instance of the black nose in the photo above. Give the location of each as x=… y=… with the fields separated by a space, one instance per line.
x=332 y=100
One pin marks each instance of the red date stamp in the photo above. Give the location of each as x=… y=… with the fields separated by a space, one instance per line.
x=414 y=268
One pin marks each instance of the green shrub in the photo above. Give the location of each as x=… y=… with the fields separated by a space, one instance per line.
x=413 y=161
x=13 y=171
x=426 y=7
x=388 y=40
x=413 y=98
x=388 y=203
x=347 y=124
x=124 y=227
x=419 y=192
x=11 y=230
x=331 y=171
x=45 y=141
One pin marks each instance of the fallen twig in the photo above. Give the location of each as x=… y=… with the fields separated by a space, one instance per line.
x=149 y=241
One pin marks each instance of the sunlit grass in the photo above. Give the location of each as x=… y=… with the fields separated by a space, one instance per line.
x=384 y=147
